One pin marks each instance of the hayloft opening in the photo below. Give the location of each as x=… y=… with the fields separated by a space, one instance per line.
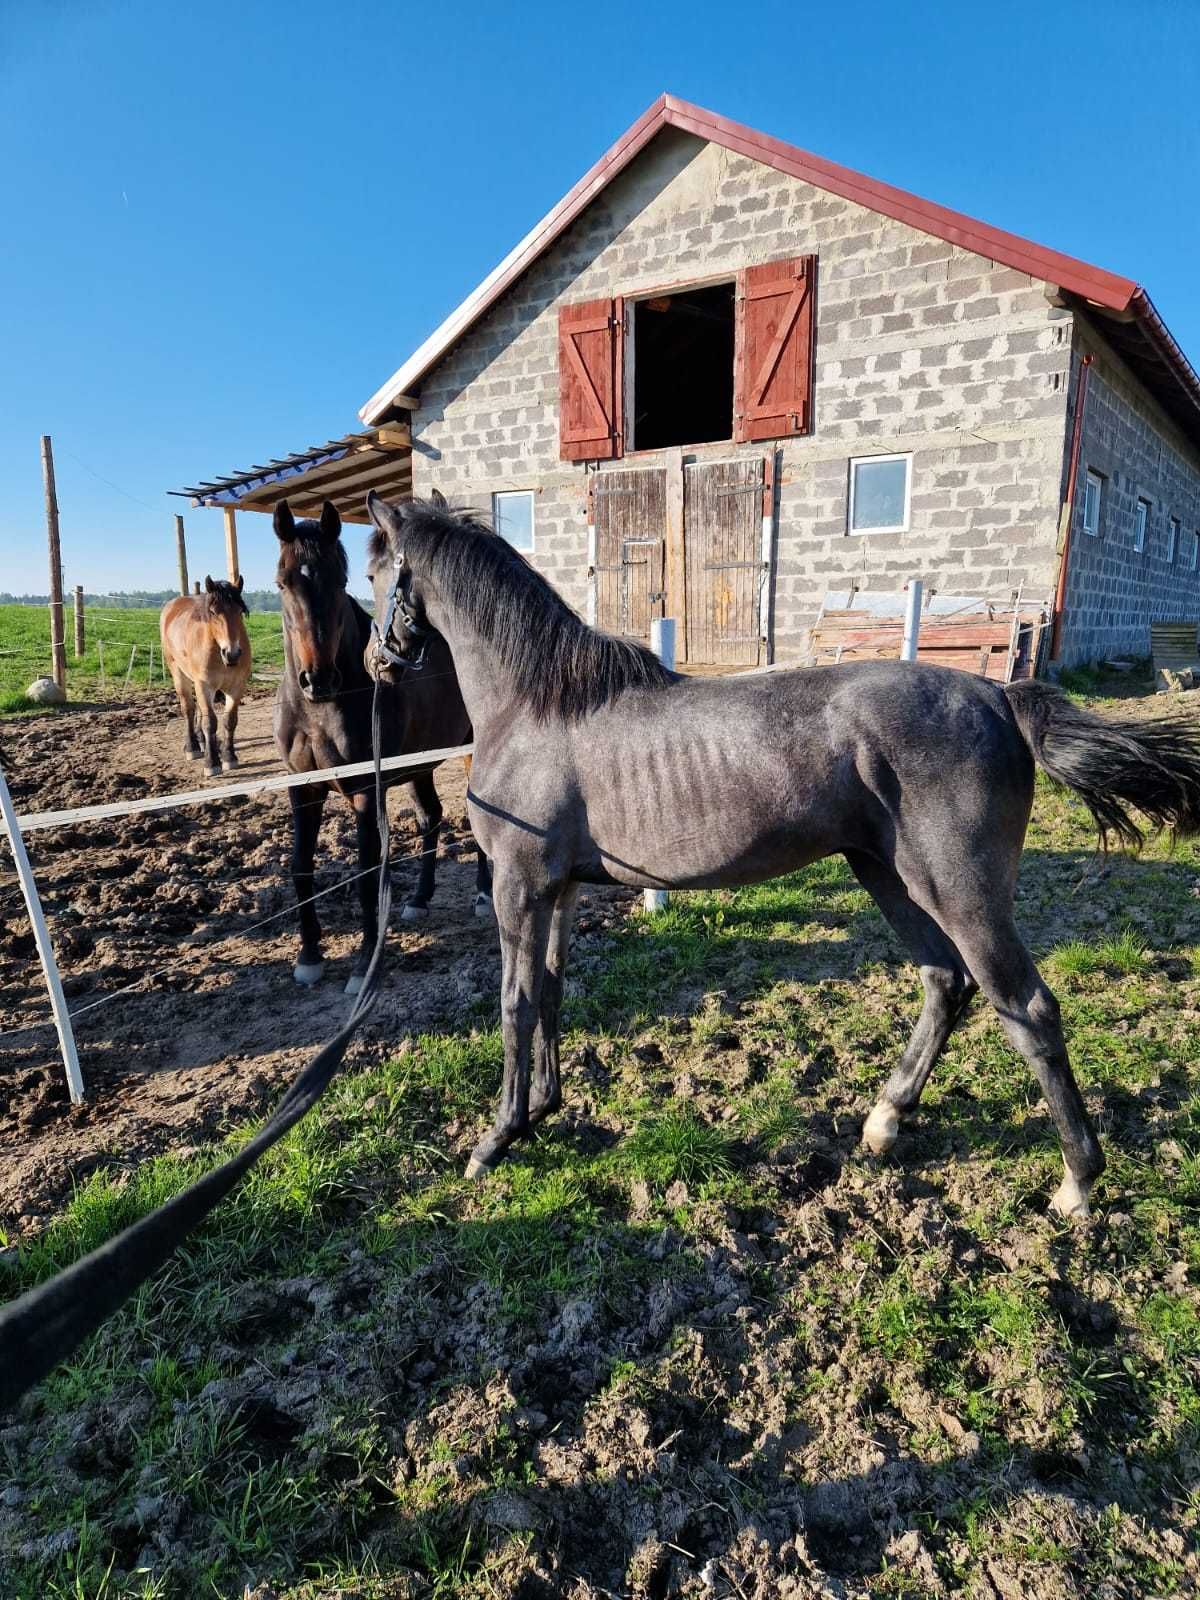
x=683 y=367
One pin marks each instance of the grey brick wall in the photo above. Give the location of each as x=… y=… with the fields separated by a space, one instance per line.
x=920 y=347
x=1113 y=591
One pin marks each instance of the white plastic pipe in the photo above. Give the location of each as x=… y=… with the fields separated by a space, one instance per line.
x=41 y=934
x=912 y=619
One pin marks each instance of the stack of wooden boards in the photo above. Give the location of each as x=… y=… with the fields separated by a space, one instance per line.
x=994 y=641
x=1176 y=658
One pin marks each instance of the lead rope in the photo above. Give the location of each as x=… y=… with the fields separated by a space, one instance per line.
x=46 y=1324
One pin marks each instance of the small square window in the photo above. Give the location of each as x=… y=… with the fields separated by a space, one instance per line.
x=1092 y=491
x=1172 y=540
x=512 y=517
x=879 y=494
x=1141 y=516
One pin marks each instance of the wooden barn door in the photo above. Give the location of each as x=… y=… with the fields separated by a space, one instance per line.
x=629 y=512
x=722 y=519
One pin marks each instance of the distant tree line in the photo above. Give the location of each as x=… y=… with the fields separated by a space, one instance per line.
x=256 y=599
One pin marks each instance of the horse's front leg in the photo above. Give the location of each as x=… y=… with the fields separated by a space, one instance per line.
x=483 y=884
x=545 y=1095
x=524 y=916
x=212 y=754
x=229 y=759
x=429 y=826
x=307 y=805
x=366 y=822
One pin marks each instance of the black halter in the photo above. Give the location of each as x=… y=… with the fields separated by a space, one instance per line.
x=398 y=608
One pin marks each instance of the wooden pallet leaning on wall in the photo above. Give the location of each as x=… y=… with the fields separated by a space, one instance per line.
x=1000 y=643
x=1176 y=657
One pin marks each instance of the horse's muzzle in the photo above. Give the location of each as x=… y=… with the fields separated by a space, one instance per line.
x=320 y=685
x=232 y=656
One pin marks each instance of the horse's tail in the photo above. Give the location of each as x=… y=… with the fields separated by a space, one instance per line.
x=1114 y=763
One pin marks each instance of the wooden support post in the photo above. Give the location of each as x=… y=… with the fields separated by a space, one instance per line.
x=41 y=934
x=196 y=587
x=79 y=637
x=181 y=552
x=231 y=557
x=662 y=642
x=57 y=641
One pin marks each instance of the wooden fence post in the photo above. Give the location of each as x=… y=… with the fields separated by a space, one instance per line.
x=79 y=638
x=57 y=641
x=41 y=934
x=662 y=642
x=231 y=553
x=181 y=551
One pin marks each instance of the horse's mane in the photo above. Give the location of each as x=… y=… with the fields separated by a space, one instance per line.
x=229 y=593
x=558 y=664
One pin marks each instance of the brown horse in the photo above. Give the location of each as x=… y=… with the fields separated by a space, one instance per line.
x=207 y=648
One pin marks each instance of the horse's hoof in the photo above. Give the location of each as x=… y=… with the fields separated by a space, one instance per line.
x=306 y=973
x=881 y=1128
x=192 y=755
x=355 y=982
x=478 y=1169
x=1071 y=1200
x=411 y=912
x=231 y=763
x=484 y=906
x=212 y=772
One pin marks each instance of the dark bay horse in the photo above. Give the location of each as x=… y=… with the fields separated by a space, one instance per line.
x=323 y=719
x=594 y=764
x=207 y=651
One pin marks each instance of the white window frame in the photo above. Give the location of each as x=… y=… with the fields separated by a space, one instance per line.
x=517 y=494
x=1172 y=539
x=1093 y=480
x=1141 y=521
x=896 y=527
x=1195 y=551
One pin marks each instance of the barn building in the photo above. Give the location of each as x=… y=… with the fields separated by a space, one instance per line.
x=728 y=381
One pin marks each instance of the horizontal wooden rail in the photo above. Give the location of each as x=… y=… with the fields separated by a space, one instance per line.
x=419 y=762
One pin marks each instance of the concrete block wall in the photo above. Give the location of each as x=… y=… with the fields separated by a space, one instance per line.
x=1113 y=591
x=920 y=346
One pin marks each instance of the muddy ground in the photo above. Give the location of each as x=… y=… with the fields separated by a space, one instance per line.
x=217 y=1023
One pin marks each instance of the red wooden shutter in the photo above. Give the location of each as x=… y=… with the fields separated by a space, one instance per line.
x=589 y=380
x=774 y=360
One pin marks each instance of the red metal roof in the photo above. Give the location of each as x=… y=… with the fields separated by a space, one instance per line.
x=1092 y=286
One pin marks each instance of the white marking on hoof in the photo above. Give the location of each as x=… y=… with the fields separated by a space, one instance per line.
x=411 y=913
x=477 y=1168
x=484 y=906
x=1071 y=1200
x=212 y=772
x=231 y=766
x=880 y=1128
x=355 y=982
x=306 y=973
x=193 y=755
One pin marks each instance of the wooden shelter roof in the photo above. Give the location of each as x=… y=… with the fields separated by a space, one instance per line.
x=341 y=470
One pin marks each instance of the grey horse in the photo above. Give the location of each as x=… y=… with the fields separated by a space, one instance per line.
x=594 y=764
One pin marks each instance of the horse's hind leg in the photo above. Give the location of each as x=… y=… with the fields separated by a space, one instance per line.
x=545 y=1094
x=186 y=695
x=949 y=989
x=1030 y=1016
x=429 y=825
x=483 y=884
x=307 y=805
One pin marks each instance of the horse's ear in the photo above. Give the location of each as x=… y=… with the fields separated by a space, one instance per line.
x=330 y=523
x=437 y=498
x=209 y=585
x=389 y=519
x=285 y=523
x=241 y=583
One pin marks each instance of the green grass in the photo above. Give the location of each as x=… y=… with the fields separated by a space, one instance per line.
x=805 y=1315
x=111 y=636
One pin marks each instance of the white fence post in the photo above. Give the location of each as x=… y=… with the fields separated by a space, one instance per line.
x=58 y=1001
x=912 y=619
x=662 y=642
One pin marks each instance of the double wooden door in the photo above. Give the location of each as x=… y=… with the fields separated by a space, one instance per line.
x=685 y=541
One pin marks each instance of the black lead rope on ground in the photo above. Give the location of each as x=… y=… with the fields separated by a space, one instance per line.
x=46 y=1324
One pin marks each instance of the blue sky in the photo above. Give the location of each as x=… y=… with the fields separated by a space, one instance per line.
x=222 y=226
